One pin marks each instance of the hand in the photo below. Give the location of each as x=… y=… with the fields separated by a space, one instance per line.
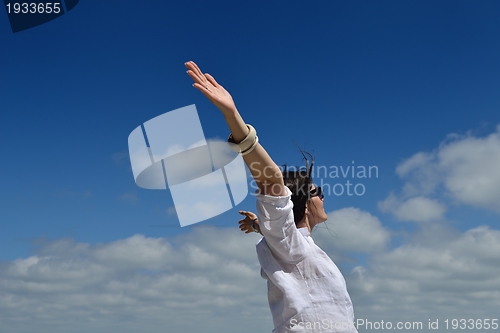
x=246 y=223
x=210 y=88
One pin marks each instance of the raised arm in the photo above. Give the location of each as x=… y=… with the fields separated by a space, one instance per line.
x=266 y=173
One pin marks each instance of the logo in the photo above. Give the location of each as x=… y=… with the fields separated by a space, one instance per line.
x=26 y=14
x=206 y=177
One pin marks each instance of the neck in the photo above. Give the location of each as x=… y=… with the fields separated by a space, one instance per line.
x=304 y=223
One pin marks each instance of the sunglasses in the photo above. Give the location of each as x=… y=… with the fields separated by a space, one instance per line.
x=317 y=192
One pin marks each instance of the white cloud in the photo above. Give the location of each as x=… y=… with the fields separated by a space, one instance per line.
x=208 y=280
x=414 y=162
x=464 y=168
x=354 y=230
x=472 y=170
x=148 y=253
x=439 y=274
x=417 y=209
x=423 y=173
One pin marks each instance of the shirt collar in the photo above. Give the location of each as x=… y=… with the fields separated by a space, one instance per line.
x=304 y=231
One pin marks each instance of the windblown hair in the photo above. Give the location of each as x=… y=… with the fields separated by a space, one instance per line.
x=299 y=182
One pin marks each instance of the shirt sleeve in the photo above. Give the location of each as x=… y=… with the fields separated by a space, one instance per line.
x=277 y=224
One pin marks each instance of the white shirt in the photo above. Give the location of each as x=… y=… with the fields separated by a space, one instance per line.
x=306 y=291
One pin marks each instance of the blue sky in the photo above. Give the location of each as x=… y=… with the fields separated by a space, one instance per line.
x=411 y=88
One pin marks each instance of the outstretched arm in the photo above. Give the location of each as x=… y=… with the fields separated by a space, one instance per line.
x=250 y=223
x=266 y=173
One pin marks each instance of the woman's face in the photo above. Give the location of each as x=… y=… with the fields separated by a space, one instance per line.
x=316 y=210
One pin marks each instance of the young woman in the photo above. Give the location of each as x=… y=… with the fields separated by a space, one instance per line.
x=306 y=291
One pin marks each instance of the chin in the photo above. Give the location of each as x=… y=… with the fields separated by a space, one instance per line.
x=321 y=220
x=321 y=217
x=325 y=217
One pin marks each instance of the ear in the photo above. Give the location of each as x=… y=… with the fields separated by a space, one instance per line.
x=306 y=212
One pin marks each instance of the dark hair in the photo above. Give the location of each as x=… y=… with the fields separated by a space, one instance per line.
x=299 y=181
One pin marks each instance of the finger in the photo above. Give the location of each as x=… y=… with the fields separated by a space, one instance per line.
x=190 y=66
x=211 y=79
x=203 y=89
x=244 y=212
x=195 y=68
x=250 y=215
x=197 y=79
